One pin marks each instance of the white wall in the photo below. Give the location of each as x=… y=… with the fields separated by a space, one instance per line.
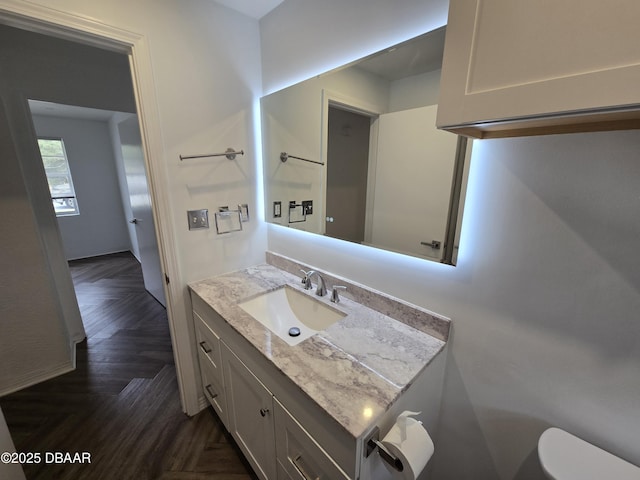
x=545 y=296
x=415 y=91
x=101 y=226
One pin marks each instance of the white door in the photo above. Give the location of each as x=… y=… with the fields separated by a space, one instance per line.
x=142 y=217
x=413 y=182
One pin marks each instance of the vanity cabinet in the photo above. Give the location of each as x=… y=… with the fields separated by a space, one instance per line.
x=312 y=410
x=265 y=412
x=529 y=68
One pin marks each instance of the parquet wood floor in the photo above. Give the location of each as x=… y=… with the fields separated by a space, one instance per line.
x=121 y=404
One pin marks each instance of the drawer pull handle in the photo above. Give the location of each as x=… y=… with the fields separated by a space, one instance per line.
x=210 y=392
x=264 y=411
x=301 y=470
x=205 y=349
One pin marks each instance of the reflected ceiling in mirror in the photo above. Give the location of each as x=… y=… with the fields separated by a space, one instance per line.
x=354 y=154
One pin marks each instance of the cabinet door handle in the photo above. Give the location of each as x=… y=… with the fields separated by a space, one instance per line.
x=301 y=470
x=205 y=349
x=210 y=392
x=264 y=411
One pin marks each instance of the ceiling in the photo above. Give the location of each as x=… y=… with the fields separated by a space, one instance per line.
x=38 y=107
x=419 y=55
x=253 y=8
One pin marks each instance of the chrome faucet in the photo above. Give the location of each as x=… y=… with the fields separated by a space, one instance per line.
x=321 y=290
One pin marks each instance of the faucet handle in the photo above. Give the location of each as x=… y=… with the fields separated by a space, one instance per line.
x=335 y=298
x=306 y=280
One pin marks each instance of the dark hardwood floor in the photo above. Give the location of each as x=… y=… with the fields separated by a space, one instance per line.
x=121 y=404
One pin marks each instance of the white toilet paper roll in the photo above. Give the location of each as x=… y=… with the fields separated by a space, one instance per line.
x=410 y=442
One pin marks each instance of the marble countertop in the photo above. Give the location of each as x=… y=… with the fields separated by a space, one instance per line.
x=354 y=370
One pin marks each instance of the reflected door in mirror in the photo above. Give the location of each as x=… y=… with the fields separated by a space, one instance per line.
x=347 y=168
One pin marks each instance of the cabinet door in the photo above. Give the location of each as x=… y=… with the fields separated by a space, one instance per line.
x=299 y=455
x=509 y=61
x=250 y=407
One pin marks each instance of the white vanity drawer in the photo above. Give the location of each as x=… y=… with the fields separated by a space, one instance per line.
x=208 y=347
x=299 y=456
x=214 y=391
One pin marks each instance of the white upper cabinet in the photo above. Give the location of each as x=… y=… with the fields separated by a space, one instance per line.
x=516 y=67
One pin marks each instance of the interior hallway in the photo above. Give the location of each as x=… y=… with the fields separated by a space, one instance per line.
x=121 y=404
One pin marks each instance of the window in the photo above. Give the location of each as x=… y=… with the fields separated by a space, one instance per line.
x=56 y=167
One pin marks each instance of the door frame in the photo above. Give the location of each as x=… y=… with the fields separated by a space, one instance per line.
x=47 y=21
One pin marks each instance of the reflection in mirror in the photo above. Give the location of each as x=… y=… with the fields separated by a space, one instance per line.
x=355 y=154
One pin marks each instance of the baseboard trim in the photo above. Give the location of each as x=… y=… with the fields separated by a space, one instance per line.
x=115 y=252
x=29 y=380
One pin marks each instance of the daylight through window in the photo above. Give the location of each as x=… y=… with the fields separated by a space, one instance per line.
x=56 y=167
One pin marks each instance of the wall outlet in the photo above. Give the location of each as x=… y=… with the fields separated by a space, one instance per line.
x=307 y=207
x=198 y=218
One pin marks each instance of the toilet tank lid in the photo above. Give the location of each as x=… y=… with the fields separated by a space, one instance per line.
x=566 y=457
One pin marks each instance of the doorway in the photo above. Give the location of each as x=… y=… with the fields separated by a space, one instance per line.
x=106 y=174
x=348 y=143
x=134 y=48
x=72 y=80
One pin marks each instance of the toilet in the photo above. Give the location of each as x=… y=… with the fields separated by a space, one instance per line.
x=566 y=457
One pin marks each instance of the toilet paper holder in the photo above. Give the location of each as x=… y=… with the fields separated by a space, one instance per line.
x=373 y=442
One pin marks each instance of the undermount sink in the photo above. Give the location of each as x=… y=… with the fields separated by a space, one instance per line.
x=291 y=314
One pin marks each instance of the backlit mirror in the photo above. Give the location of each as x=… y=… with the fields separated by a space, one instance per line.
x=354 y=154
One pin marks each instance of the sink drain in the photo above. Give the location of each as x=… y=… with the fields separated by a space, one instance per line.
x=294 y=331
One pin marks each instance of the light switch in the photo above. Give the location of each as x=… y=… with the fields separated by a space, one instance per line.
x=198 y=219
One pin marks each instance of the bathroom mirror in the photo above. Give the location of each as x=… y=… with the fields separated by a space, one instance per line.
x=354 y=154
